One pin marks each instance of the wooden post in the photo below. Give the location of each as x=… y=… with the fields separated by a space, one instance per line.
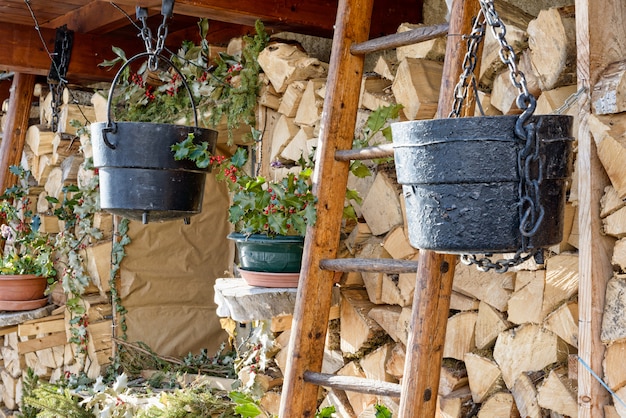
x=431 y=302
x=14 y=135
x=310 y=318
x=600 y=40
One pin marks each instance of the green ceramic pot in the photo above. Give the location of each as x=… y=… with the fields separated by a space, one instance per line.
x=279 y=254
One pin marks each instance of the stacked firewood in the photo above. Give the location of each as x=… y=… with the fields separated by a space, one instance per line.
x=55 y=159
x=511 y=340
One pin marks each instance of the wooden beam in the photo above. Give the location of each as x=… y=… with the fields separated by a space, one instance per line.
x=302 y=16
x=96 y=17
x=14 y=134
x=435 y=273
x=600 y=40
x=306 y=345
x=23 y=52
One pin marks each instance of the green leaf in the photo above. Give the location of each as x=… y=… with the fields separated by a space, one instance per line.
x=239 y=158
x=382 y=411
x=359 y=169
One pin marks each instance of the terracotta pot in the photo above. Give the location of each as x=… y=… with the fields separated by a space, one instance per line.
x=22 y=287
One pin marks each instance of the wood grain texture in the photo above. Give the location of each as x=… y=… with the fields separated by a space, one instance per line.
x=14 y=135
x=306 y=345
x=601 y=40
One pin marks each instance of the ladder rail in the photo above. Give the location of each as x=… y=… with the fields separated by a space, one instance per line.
x=413 y=36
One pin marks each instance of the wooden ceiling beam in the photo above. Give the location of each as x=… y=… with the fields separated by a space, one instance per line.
x=23 y=52
x=96 y=17
x=312 y=17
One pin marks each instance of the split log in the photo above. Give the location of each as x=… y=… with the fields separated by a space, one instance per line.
x=387 y=317
x=552 y=43
x=558 y=394
x=373 y=281
x=54 y=183
x=374 y=364
x=607 y=133
x=74 y=112
x=397 y=244
x=460 y=335
x=525 y=304
x=529 y=347
x=619 y=254
x=614 y=366
x=268 y=96
x=39 y=139
x=358 y=236
x=310 y=107
x=615 y=224
x=484 y=376
x=460 y=302
x=485 y=286
x=386 y=67
x=9 y=384
x=614 y=321
x=561 y=281
x=500 y=404
x=358 y=330
x=564 y=323
x=504 y=94
x=485 y=103
x=395 y=362
x=525 y=395
x=551 y=100
x=434 y=49
x=98 y=264
x=610 y=202
x=416 y=86
x=284 y=130
x=358 y=401
x=290 y=100
x=49 y=224
x=300 y=146
x=285 y=63
x=70 y=167
x=456 y=404
x=607 y=96
x=382 y=218
x=375 y=92
x=489 y=324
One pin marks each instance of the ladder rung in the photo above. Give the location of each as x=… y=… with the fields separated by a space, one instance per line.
x=369 y=153
x=395 y=40
x=354 y=384
x=375 y=265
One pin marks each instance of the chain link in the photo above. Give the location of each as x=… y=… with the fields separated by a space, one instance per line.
x=146 y=34
x=58 y=86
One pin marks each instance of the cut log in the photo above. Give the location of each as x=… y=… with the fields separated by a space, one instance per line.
x=456 y=404
x=358 y=330
x=39 y=138
x=54 y=183
x=397 y=244
x=550 y=100
x=434 y=49
x=376 y=92
x=552 y=43
x=98 y=263
x=391 y=293
x=284 y=63
x=569 y=215
x=564 y=323
x=382 y=218
x=387 y=317
x=8 y=394
x=525 y=304
x=529 y=347
x=558 y=394
x=358 y=236
x=70 y=166
x=489 y=324
x=614 y=320
x=300 y=146
x=621 y=394
x=395 y=362
x=44 y=166
x=310 y=107
x=291 y=98
x=607 y=134
x=504 y=94
x=416 y=87
x=49 y=224
x=500 y=405
x=615 y=224
x=608 y=95
x=374 y=364
x=485 y=286
x=610 y=202
x=373 y=282
x=284 y=130
x=619 y=254
x=460 y=335
x=358 y=401
x=561 y=281
x=525 y=395
x=485 y=103
x=268 y=96
x=459 y=302
x=386 y=67
x=484 y=376
x=73 y=112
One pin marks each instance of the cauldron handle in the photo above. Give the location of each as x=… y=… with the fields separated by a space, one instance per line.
x=110 y=125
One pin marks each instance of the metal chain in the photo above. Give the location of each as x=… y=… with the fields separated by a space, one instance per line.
x=529 y=168
x=469 y=65
x=145 y=33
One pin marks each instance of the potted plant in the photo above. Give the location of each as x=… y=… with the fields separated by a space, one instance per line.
x=26 y=267
x=156 y=105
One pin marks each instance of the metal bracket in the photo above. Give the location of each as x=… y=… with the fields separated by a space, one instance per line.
x=63 y=43
x=167 y=8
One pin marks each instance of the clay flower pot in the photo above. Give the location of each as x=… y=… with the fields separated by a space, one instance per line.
x=22 y=292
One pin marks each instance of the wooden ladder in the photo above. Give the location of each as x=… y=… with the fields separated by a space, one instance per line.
x=418 y=393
